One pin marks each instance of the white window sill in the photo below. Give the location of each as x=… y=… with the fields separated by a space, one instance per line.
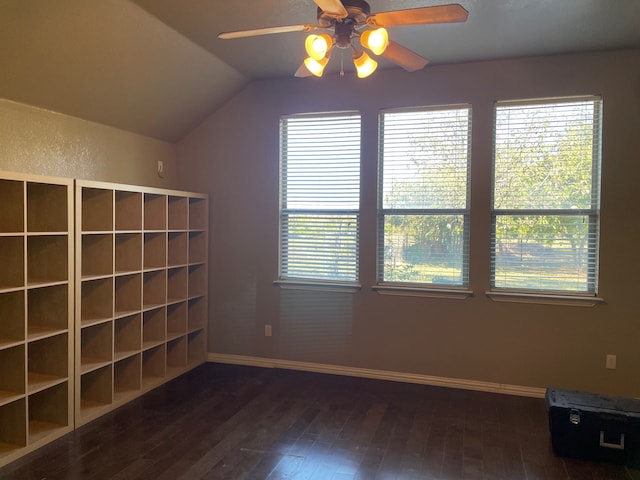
x=414 y=291
x=545 y=299
x=343 y=287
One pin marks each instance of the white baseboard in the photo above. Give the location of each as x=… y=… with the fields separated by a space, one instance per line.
x=378 y=374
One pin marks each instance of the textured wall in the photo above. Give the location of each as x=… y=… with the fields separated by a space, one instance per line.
x=234 y=156
x=111 y=62
x=47 y=143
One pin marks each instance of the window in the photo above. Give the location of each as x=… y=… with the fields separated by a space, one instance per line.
x=319 y=197
x=546 y=195
x=423 y=199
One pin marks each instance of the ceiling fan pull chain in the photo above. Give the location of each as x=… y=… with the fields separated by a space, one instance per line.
x=342 y=63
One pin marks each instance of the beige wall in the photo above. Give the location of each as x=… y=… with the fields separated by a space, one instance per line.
x=234 y=156
x=46 y=143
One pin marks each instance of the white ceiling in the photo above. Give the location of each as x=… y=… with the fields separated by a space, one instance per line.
x=156 y=67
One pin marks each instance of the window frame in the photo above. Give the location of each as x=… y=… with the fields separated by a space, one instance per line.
x=543 y=295
x=408 y=288
x=303 y=282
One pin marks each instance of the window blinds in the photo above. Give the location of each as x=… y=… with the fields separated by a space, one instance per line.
x=546 y=195
x=320 y=196
x=424 y=196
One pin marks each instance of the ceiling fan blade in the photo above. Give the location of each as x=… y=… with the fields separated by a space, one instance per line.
x=402 y=56
x=302 y=71
x=332 y=8
x=419 y=16
x=307 y=27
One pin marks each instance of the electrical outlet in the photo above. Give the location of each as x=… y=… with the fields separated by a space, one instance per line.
x=160 y=168
x=267 y=330
x=611 y=362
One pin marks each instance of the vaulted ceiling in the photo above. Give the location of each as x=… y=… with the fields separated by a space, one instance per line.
x=156 y=67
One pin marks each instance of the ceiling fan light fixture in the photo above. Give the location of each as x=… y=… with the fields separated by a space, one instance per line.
x=317 y=46
x=316 y=67
x=348 y=20
x=365 y=65
x=375 y=40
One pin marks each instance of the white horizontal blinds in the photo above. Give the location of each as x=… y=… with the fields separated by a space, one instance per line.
x=320 y=196
x=546 y=195
x=424 y=196
x=323 y=247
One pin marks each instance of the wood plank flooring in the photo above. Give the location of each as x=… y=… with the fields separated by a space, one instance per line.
x=233 y=422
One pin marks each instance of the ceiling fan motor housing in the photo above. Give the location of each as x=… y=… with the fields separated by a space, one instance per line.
x=357 y=13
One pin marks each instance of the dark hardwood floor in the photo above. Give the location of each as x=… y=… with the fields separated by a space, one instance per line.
x=232 y=422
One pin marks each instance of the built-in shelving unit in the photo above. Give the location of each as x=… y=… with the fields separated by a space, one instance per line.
x=141 y=291
x=36 y=309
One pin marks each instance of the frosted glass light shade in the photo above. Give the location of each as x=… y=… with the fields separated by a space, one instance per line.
x=316 y=66
x=375 y=40
x=365 y=65
x=317 y=46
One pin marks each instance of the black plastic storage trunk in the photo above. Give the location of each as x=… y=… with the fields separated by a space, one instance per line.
x=594 y=427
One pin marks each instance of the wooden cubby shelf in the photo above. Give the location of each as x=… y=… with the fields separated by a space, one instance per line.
x=198 y=216
x=36 y=324
x=155 y=211
x=46 y=207
x=47 y=259
x=127 y=340
x=97 y=255
x=127 y=294
x=177 y=284
x=178 y=218
x=176 y=355
x=48 y=412
x=95 y=300
x=12 y=211
x=127 y=377
x=128 y=252
x=136 y=300
x=154 y=289
x=97 y=210
x=47 y=311
x=128 y=208
x=196 y=347
x=96 y=392
x=155 y=250
x=178 y=249
x=176 y=320
x=197 y=314
x=96 y=347
x=13 y=434
x=129 y=264
x=154 y=328
x=12 y=261
x=197 y=280
x=197 y=247
x=13 y=318
x=154 y=366
x=12 y=383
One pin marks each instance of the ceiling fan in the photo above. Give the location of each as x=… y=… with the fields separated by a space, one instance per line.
x=352 y=20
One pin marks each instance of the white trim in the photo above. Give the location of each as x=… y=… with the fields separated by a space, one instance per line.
x=545 y=299
x=544 y=100
x=432 y=292
x=378 y=374
x=138 y=189
x=328 y=286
